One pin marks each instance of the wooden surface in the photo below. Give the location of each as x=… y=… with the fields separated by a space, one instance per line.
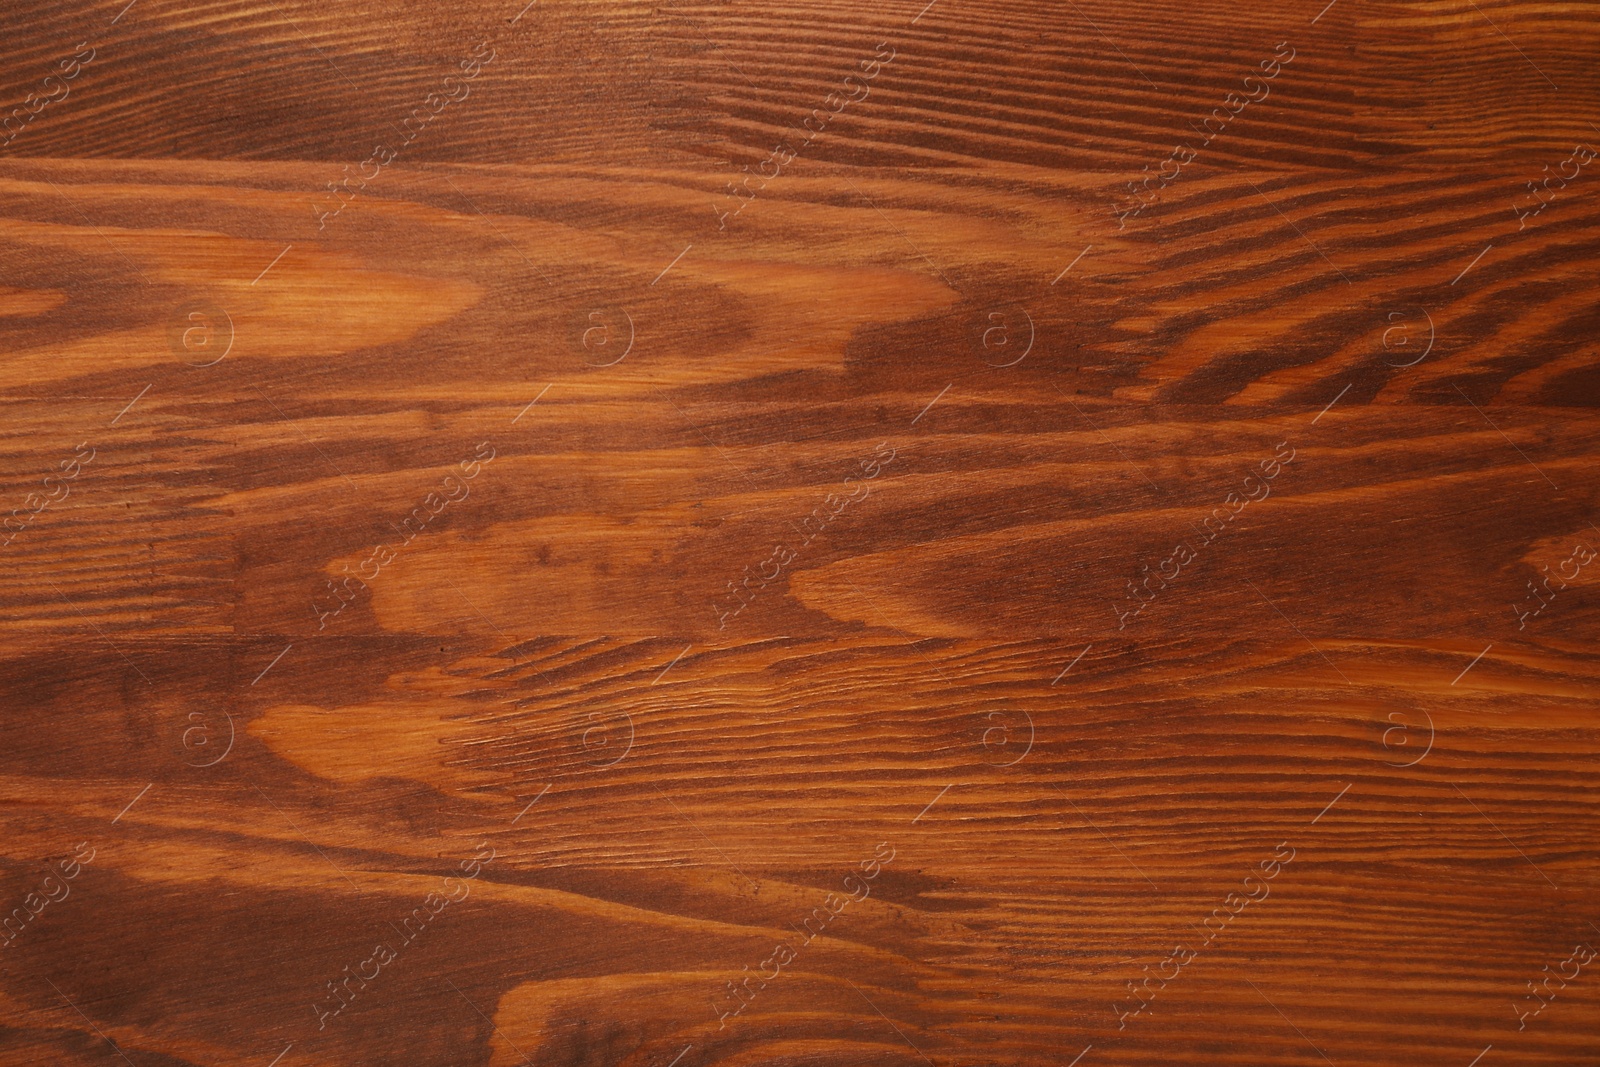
x=631 y=578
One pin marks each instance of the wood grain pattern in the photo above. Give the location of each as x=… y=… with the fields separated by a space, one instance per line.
x=671 y=535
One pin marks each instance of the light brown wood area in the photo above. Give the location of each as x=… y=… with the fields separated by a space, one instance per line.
x=689 y=534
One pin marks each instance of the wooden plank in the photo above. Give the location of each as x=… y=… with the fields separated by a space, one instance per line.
x=688 y=534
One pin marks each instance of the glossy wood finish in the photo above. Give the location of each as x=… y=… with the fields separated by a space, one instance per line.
x=476 y=614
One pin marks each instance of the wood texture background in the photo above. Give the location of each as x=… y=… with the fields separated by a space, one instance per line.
x=546 y=669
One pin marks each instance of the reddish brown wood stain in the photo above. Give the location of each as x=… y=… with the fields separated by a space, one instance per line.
x=731 y=466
